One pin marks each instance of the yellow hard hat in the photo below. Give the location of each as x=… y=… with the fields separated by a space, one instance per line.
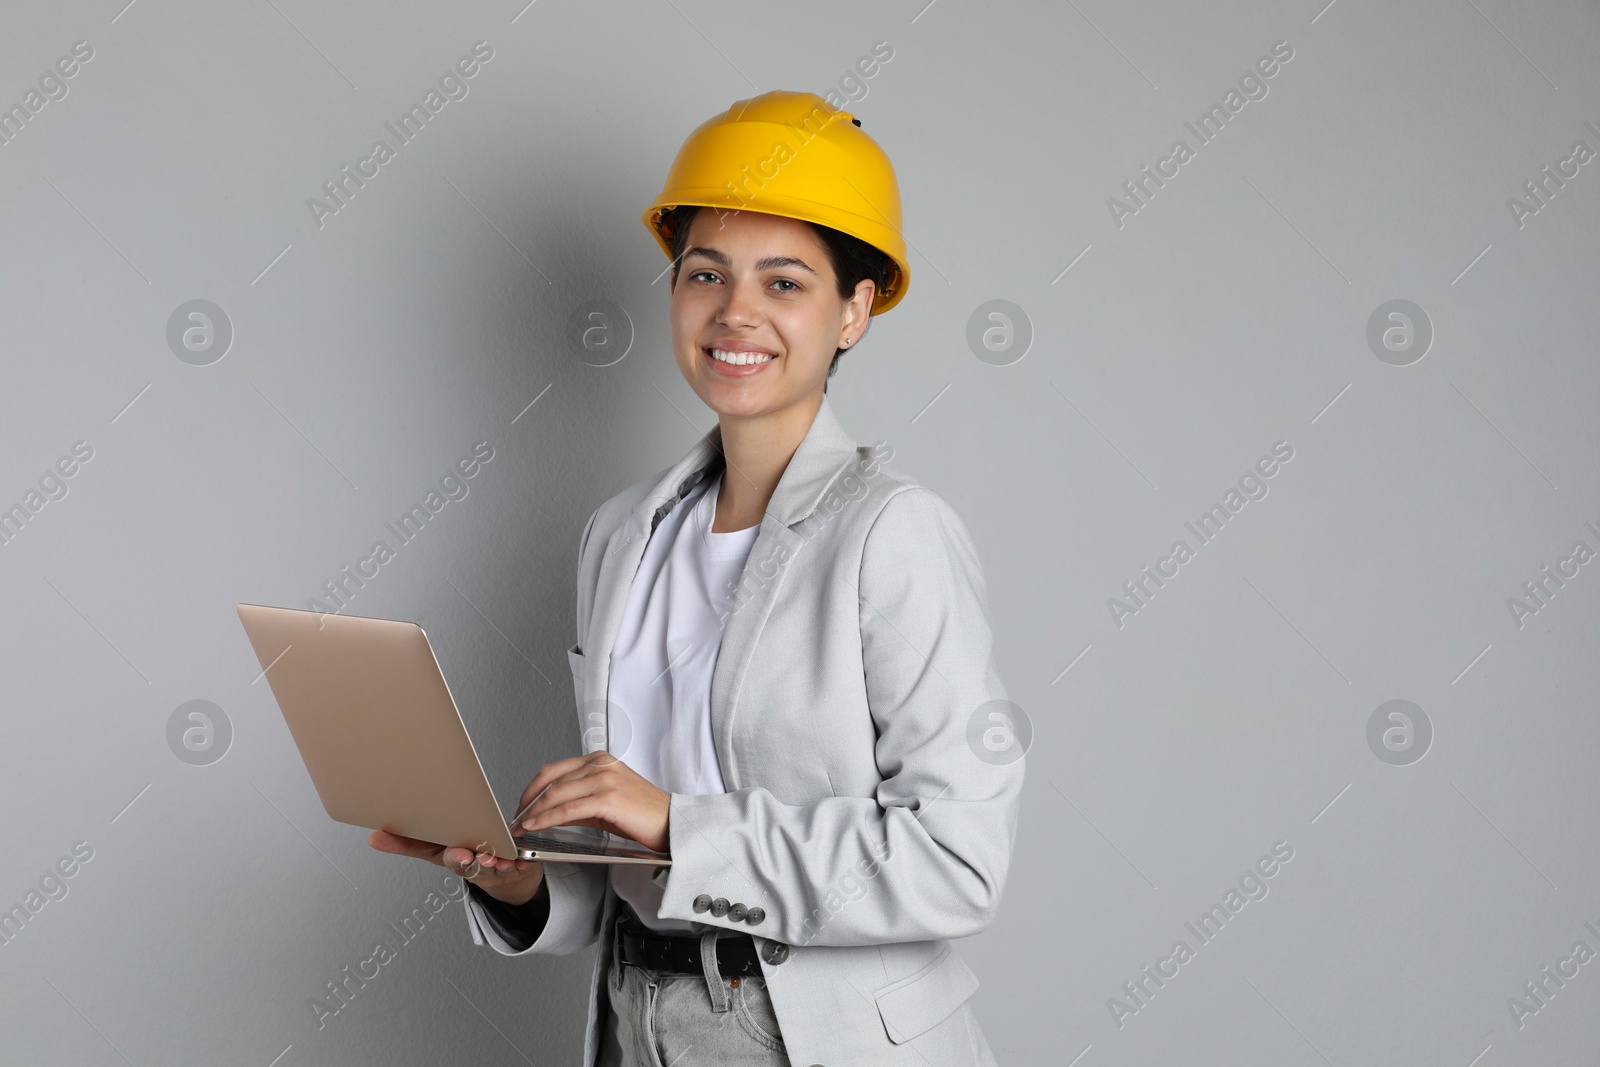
x=794 y=155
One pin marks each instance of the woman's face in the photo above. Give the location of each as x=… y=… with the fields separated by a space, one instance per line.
x=759 y=286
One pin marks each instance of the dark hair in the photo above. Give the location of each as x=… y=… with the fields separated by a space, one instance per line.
x=852 y=259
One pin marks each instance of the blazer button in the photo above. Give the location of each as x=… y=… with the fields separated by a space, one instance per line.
x=754 y=916
x=775 y=952
x=737 y=913
x=702 y=902
x=719 y=907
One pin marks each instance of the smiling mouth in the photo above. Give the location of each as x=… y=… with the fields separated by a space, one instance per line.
x=737 y=359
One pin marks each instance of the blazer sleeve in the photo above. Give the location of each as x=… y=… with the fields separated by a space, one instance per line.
x=561 y=919
x=564 y=916
x=927 y=856
x=517 y=924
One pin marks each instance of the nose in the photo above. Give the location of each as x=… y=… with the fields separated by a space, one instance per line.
x=739 y=305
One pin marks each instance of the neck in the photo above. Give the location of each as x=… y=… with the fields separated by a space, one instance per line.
x=757 y=450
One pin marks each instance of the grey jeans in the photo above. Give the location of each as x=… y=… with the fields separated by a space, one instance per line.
x=667 y=1019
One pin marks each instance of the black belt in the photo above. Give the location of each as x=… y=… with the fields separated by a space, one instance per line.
x=639 y=945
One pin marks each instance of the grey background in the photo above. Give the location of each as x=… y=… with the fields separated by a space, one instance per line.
x=1230 y=313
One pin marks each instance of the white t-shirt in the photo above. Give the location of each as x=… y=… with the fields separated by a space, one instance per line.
x=661 y=666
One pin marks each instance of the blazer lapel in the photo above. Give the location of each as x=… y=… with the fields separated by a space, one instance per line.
x=823 y=454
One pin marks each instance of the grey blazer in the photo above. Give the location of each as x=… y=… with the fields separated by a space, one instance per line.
x=862 y=734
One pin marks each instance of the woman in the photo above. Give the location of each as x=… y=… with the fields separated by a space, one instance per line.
x=789 y=642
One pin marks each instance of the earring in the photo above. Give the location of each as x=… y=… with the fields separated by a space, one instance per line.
x=847 y=340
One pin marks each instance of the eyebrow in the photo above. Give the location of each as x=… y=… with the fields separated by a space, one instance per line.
x=769 y=263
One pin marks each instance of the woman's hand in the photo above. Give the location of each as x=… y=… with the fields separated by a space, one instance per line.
x=601 y=792
x=513 y=881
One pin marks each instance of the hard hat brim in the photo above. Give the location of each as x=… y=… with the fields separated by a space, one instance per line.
x=802 y=211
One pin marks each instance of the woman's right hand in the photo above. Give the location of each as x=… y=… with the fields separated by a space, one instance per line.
x=511 y=881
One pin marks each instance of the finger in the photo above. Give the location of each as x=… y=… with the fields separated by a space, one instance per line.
x=494 y=862
x=384 y=841
x=575 y=767
x=547 y=774
x=388 y=842
x=461 y=861
x=580 y=784
x=579 y=781
x=530 y=796
x=594 y=807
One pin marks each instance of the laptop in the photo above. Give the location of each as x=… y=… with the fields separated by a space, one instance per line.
x=385 y=744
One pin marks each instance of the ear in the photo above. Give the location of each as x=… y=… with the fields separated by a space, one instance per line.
x=857 y=313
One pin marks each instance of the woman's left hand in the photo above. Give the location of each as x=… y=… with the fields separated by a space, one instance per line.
x=601 y=792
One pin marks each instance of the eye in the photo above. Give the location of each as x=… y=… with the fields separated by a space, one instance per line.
x=787 y=281
x=697 y=275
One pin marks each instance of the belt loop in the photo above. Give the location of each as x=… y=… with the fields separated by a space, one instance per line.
x=708 y=963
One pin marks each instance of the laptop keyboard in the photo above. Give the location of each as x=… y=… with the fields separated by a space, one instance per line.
x=561 y=844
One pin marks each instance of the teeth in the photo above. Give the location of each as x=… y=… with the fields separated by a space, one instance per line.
x=739 y=359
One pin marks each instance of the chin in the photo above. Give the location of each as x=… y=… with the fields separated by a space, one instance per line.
x=739 y=403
